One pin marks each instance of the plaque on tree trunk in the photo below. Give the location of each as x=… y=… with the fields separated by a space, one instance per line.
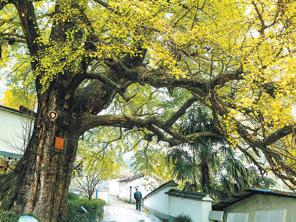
x=59 y=143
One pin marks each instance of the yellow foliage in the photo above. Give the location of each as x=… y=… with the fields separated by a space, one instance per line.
x=198 y=39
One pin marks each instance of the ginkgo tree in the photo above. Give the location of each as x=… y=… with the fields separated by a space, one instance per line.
x=236 y=57
x=95 y=165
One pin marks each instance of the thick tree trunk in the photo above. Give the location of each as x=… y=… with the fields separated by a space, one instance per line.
x=39 y=185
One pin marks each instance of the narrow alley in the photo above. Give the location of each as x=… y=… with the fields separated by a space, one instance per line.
x=120 y=211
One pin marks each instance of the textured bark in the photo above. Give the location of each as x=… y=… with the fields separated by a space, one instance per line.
x=42 y=177
x=40 y=183
x=205 y=176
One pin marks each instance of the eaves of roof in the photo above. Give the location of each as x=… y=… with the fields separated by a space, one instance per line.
x=12 y=110
x=186 y=194
x=170 y=183
x=248 y=193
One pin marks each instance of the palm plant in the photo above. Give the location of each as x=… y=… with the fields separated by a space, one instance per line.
x=194 y=162
x=208 y=164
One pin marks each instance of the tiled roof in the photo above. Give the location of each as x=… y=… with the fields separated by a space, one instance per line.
x=186 y=194
x=23 y=110
x=10 y=155
x=248 y=193
x=167 y=184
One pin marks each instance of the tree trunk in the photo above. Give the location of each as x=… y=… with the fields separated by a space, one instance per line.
x=39 y=185
x=205 y=176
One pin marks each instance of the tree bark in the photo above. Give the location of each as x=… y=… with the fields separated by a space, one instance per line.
x=39 y=185
x=205 y=176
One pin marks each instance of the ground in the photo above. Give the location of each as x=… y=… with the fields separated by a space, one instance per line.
x=119 y=211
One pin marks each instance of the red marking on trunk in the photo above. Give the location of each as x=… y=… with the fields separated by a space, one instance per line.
x=59 y=143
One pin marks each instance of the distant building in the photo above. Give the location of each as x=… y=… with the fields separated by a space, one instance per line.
x=255 y=205
x=128 y=185
x=167 y=203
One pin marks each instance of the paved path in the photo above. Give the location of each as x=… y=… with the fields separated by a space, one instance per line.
x=119 y=211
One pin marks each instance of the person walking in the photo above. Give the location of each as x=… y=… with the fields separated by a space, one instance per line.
x=138 y=198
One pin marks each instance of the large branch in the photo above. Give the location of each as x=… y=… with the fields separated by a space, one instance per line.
x=153 y=124
x=12 y=38
x=220 y=108
x=29 y=24
x=279 y=134
x=102 y=3
x=159 y=78
x=279 y=165
x=181 y=111
x=3 y=3
x=108 y=81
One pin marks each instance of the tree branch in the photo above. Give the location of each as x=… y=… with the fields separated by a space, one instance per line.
x=278 y=164
x=29 y=24
x=279 y=134
x=180 y=112
x=152 y=124
x=159 y=78
x=102 y=3
x=12 y=38
x=3 y=3
x=106 y=80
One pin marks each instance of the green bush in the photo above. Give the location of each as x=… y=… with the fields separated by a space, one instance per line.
x=94 y=207
x=183 y=218
x=72 y=196
x=7 y=216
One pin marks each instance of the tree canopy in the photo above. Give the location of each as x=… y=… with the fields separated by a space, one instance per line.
x=236 y=57
x=96 y=165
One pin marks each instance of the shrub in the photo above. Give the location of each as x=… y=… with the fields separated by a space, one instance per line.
x=7 y=216
x=183 y=218
x=72 y=196
x=94 y=207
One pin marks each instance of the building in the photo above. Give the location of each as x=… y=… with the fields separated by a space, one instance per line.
x=255 y=205
x=15 y=128
x=156 y=201
x=128 y=185
x=167 y=202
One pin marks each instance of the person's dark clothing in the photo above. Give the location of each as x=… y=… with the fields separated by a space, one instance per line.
x=138 y=205
x=138 y=198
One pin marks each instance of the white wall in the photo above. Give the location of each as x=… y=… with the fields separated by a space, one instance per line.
x=124 y=191
x=159 y=201
x=171 y=206
x=114 y=187
x=144 y=184
x=103 y=195
x=14 y=130
x=267 y=206
x=197 y=210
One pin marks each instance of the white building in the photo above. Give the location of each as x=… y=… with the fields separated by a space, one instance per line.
x=127 y=186
x=16 y=127
x=257 y=205
x=167 y=202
